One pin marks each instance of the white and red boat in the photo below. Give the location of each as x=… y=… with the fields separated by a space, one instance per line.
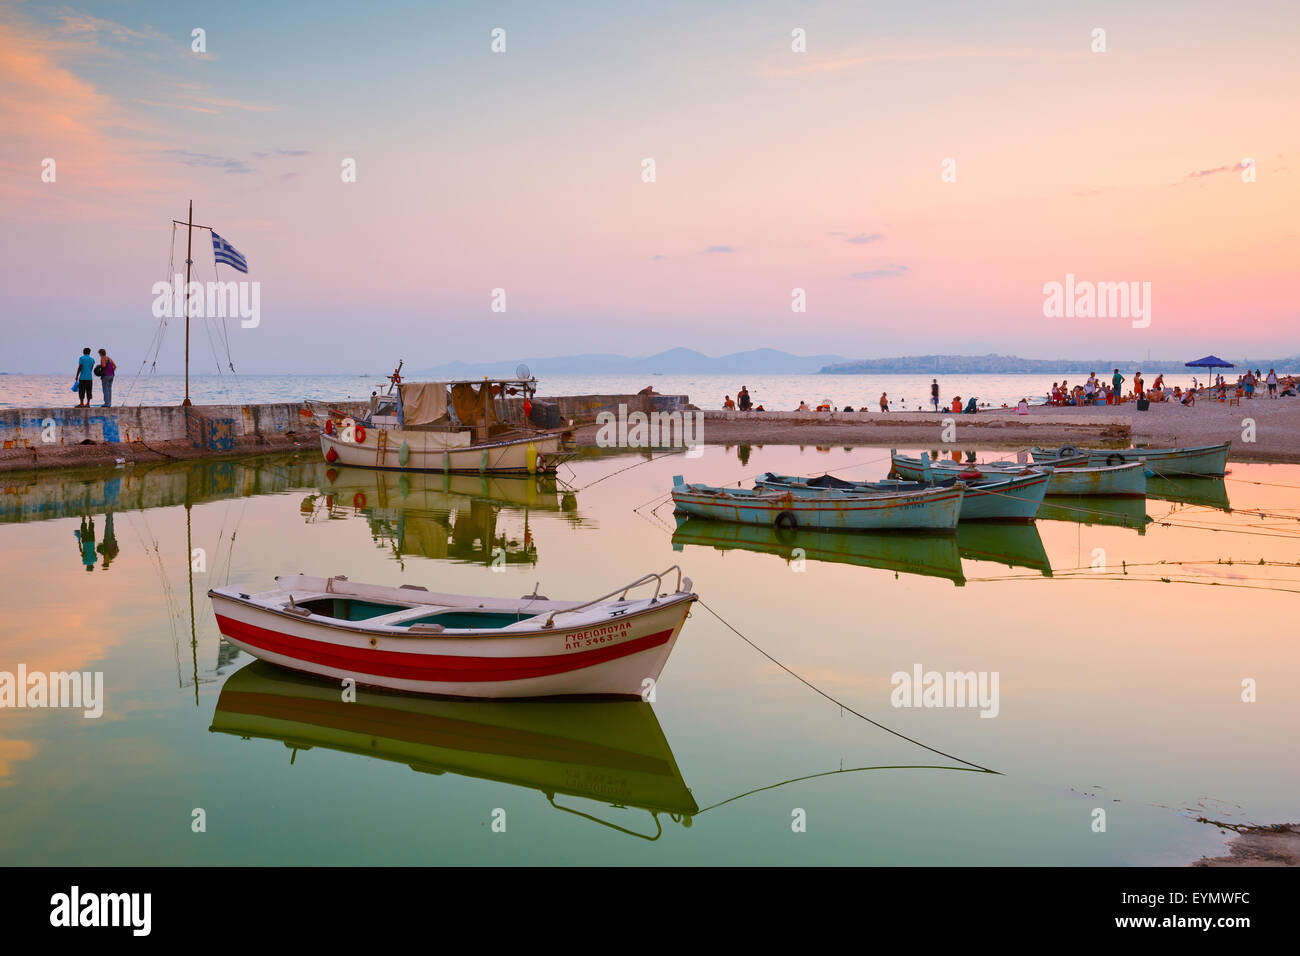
x=410 y=639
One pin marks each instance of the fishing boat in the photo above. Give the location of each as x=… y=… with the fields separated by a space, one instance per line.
x=1001 y=498
x=1163 y=462
x=931 y=509
x=902 y=552
x=478 y=427
x=410 y=639
x=1117 y=481
x=613 y=752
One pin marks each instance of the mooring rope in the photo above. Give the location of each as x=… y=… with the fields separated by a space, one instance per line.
x=840 y=703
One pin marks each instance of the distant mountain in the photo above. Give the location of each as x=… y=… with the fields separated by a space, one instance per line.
x=1010 y=364
x=676 y=361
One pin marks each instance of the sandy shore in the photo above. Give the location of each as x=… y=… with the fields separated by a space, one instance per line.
x=1276 y=427
x=1277 y=845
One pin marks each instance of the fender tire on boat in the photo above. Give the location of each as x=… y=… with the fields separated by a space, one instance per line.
x=1067 y=451
x=1114 y=458
x=360 y=434
x=786 y=519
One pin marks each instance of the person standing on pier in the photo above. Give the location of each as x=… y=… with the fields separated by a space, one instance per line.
x=106 y=369
x=1116 y=381
x=743 y=400
x=85 y=378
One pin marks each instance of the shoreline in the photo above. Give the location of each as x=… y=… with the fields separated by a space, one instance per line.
x=244 y=431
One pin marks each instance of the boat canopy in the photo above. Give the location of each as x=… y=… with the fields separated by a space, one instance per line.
x=423 y=402
x=470 y=402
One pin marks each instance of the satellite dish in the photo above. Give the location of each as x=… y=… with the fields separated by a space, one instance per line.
x=521 y=372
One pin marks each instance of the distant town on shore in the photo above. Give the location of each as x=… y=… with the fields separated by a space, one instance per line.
x=679 y=361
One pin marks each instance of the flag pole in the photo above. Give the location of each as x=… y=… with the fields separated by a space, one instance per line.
x=189 y=244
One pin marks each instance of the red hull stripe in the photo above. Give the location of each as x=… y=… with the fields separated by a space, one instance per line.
x=441 y=668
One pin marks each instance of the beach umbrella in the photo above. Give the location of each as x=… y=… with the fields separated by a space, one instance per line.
x=1211 y=362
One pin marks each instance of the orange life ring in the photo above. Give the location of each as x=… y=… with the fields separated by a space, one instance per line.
x=359 y=500
x=329 y=426
x=360 y=433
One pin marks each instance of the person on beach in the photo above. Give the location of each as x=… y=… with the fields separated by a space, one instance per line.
x=106 y=369
x=1271 y=381
x=934 y=393
x=1116 y=394
x=803 y=407
x=1090 y=389
x=85 y=378
x=1137 y=385
x=955 y=408
x=743 y=400
x=884 y=402
x=728 y=404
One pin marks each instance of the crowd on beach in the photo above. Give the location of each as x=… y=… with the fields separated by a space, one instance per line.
x=1093 y=391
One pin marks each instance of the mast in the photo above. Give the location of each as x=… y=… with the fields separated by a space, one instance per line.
x=189 y=246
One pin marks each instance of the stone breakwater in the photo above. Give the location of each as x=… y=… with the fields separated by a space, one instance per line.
x=63 y=437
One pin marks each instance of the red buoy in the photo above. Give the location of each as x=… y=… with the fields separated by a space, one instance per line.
x=331 y=456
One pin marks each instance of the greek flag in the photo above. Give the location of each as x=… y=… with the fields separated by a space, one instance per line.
x=227 y=254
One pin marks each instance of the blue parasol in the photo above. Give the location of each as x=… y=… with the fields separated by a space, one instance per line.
x=1211 y=362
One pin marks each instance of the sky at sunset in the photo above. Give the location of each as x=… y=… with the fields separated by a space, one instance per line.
x=774 y=170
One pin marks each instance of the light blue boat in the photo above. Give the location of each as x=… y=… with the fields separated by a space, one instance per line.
x=996 y=498
x=930 y=509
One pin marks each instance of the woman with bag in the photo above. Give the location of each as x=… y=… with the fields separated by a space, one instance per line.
x=106 y=369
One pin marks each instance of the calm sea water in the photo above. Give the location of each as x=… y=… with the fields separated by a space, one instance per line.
x=774 y=392
x=1120 y=644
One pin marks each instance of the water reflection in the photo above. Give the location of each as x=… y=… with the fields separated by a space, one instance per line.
x=933 y=555
x=445 y=517
x=1117 y=512
x=613 y=752
x=1203 y=491
x=1016 y=545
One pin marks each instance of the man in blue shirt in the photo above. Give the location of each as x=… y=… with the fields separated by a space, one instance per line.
x=85 y=378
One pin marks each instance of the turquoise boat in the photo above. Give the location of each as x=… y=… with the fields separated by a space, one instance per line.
x=1211 y=460
x=1001 y=498
x=1126 y=480
x=931 y=509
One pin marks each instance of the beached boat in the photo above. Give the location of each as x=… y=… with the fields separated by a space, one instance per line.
x=461 y=426
x=1118 y=481
x=902 y=552
x=1001 y=498
x=932 y=509
x=613 y=752
x=1164 y=462
x=410 y=639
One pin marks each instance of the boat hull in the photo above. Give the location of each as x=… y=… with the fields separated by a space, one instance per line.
x=1211 y=460
x=1005 y=498
x=431 y=452
x=937 y=510
x=1115 y=481
x=612 y=659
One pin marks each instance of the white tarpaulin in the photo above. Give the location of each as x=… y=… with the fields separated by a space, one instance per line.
x=423 y=402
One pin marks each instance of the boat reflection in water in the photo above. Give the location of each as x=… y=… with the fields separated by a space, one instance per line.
x=935 y=555
x=449 y=517
x=613 y=752
x=1015 y=544
x=1205 y=492
x=1119 y=512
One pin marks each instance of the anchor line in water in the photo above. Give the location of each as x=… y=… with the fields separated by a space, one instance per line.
x=644 y=461
x=840 y=703
x=831 y=773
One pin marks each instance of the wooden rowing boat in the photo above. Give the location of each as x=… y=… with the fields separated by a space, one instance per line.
x=1209 y=460
x=1117 y=481
x=613 y=752
x=932 y=509
x=410 y=639
x=1000 y=498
